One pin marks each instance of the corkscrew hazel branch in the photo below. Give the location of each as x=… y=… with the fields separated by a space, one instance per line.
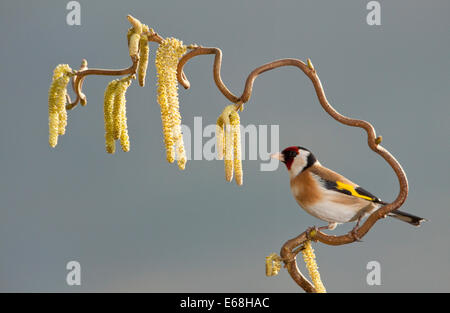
x=372 y=140
x=288 y=251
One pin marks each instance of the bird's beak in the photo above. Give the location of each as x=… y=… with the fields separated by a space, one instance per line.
x=278 y=156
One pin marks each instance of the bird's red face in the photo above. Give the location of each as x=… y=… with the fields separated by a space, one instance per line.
x=287 y=156
x=296 y=159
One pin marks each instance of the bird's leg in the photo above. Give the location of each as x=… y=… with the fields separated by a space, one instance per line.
x=354 y=230
x=330 y=226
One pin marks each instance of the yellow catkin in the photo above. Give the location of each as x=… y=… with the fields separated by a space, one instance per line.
x=62 y=117
x=167 y=56
x=229 y=143
x=57 y=114
x=116 y=112
x=117 y=122
x=311 y=265
x=120 y=129
x=228 y=152
x=137 y=25
x=143 y=58
x=179 y=146
x=219 y=138
x=124 y=138
x=167 y=125
x=108 y=105
x=134 y=45
x=129 y=33
x=273 y=264
x=237 y=162
x=224 y=119
x=134 y=36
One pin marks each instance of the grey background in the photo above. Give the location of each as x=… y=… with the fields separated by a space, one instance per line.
x=137 y=223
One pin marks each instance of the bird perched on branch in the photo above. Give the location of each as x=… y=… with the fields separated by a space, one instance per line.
x=328 y=195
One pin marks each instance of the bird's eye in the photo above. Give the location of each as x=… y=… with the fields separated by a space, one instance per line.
x=290 y=154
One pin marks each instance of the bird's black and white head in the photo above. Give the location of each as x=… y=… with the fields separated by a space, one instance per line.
x=296 y=159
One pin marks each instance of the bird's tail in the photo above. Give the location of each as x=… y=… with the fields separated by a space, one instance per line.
x=406 y=217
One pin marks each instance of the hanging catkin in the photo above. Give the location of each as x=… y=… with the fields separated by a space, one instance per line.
x=143 y=57
x=237 y=162
x=310 y=260
x=134 y=36
x=167 y=56
x=273 y=264
x=57 y=114
x=119 y=113
x=228 y=137
x=108 y=105
x=114 y=110
x=220 y=136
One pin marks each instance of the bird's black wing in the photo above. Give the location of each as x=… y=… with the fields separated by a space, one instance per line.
x=350 y=190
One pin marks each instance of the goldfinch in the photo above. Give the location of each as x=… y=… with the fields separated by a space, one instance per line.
x=328 y=195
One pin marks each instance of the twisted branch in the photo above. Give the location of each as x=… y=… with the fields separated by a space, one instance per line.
x=291 y=248
x=288 y=252
x=80 y=75
x=78 y=79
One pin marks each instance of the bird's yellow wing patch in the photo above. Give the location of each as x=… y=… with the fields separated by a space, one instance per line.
x=352 y=190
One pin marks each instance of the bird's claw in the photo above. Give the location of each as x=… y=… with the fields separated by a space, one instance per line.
x=355 y=236
x=309 y=230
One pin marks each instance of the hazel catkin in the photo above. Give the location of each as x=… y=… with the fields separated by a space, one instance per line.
x=57 y=95
x=237 y=162
x=143 y=57
x=273 y=264
x=114 y=110
x=228 y=140
x=134 y=45
x=220 y=138
x=310 y=260
x=167 y=57
x=108 y=105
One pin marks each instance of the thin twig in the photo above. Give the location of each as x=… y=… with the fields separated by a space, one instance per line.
x=78 y=79
x=216 y=70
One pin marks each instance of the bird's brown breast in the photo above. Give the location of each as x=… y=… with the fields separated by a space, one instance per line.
x=305 y=189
